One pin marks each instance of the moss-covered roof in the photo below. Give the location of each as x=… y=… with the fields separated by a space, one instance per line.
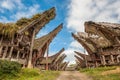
x=9 y=29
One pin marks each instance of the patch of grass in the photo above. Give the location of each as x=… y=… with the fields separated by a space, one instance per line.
x=31 y=74
x=96 y=73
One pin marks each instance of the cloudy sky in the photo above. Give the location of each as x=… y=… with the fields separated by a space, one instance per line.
x=72 y=13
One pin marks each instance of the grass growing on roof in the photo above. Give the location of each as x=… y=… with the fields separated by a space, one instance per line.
x=9 y=29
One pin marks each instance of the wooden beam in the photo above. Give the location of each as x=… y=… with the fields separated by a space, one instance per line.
x=1 y=41
x=1 y=47
x=5 y=52
x=10 y=54
x=103 y=60
x=112 y=59
x=31 y=51
x=47 y=56
x=18 y=55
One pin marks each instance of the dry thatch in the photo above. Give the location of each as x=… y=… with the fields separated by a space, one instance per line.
x=52 y=58
x=25 y=21
x=84 y=56
x=100 y=42
x=9 y=29
x=109 y=31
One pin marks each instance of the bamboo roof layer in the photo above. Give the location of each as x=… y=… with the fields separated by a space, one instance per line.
x=79 y=59
x=98 y=42
x=84 y=56
x=109 y=31
x=40 y=42
x=59 y=60
x=89 y=47
x=38 y=23
x=52 y=58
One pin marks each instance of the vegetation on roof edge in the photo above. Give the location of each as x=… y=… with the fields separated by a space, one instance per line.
x=9 y=29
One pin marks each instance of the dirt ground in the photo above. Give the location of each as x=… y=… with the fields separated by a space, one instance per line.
x=73 y=75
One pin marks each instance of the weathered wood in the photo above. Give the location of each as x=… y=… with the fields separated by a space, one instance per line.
x=18 y=52
x=1 y=41
x=112 y=59
x=1 y=47
x=103 y=59
x=10 y=54
x=47 y=52
x=5 y=52
x=19 y=40
x=31 y=51
x=118 y=58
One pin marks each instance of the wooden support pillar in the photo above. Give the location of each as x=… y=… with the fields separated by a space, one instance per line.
x=112 y=58
x=19 y=40
x=1 y=47
x=103 y=60
x=86 y=64
x=57 y=67
x=31 y=51
x=1 y=41
x=5 y=52
x=117 y=40
x=23 y=56
x=96 y=64
x=118 y=57
x=18 y=55
x=47 y=57
x=11 y=50
x=10 y=54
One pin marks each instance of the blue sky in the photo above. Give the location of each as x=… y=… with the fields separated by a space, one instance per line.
x=72 y=13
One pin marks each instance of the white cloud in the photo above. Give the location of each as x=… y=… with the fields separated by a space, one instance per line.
x=74 y=46
x=80 y=11
x=28 y=12
x=19 y=9
x=22 y=10
x=11 y=4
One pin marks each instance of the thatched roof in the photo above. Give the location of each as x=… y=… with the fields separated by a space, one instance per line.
x=38 y=23
x=22 y=25
x=79 y=59
x=59 y=59
x=89 y=47
x=98 y=42
x=84 y=56
x=40 y=42
x=109 y=31
x=52 y=58
x=64 y=66
x=111 y=27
